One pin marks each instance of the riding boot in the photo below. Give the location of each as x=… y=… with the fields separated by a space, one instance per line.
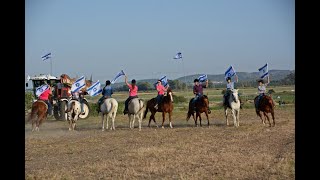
x=156 y=106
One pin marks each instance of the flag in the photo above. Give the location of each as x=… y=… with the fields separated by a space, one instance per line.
x=117 y=76
x=203 y=78
x=78 y=84
x=263 y=71
x=178 y=56
x=95 y=89
x=47 y=56
x=41 y=89
x=230 y=72
x=164 y=80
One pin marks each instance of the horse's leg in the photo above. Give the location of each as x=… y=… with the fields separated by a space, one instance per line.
x=170 y=114
x=74 y=124
x=234 y=117
x=226 y=114
x=113 y=119
x=102 y=120
x=163 y=118
x=272 y=114
x=206 y=112
x=133 y=119
x=154 y=119
x=140 y=120
x=129 y=120
x=196 y=120
x=108 y=117
x=267 y=117
x=237 y=116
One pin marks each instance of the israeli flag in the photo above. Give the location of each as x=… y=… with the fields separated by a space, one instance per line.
x=263 y=71
x=164 y=80
x=47 y=56
x=230 y=72
x=117 y=76
x=178 y=56
x=79 y=84
x=41 y=89
x=95 y=89
x=203 y=78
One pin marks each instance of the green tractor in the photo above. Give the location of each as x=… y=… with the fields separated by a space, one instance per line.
x=61 y=95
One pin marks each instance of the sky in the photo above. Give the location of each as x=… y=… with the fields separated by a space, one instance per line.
x=141 y=37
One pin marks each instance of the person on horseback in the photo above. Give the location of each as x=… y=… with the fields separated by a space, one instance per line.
x=107 y=92
x=161 y=89
x=198 y=90
x=79 y=95
x=230 y=86
x=45 y=97
x=261 y=90
x=133 y=93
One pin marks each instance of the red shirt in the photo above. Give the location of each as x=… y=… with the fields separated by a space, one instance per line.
x=45 y=95
x=160 y=89
x=133 y=91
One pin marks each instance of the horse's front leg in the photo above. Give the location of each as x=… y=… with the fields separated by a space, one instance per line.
x=206 y=112
x=154 y=120
x=170 y=114
x=102 y=121
x=163 y=118
x=237 y=116
x=226 y=114
x=108 y=117
x=234 y=117
x=267 y=117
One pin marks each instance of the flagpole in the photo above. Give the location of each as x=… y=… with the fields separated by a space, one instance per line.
x=184 y=73
x=51 y=66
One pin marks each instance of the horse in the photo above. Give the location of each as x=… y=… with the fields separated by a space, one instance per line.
x=202 y=105
x=73 y=112
x=109 y=108
x=135 y=109
x=165 y=106
x=38 y=114
x=266 y=105
x=233 y=103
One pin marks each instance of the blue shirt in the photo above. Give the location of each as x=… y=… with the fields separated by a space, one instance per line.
x=230 y=86
x=107 y=91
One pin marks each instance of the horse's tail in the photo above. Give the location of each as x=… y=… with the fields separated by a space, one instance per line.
x=142 y=108
x=146 y=111
x=114 y=107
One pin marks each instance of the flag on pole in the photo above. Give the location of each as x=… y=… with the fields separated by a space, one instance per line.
x=78 y=84
x=47 y=56
x=95 y=89
x=263 y=71
x=117 y=76
x=178 y=56
x=163 y=80
x=41 y=89
x=230 y=72
x=203 y=78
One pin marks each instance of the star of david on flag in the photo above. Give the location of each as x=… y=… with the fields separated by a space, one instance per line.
x=78 y=84
x=95 y=89
x=230 y=72
x=263 y=71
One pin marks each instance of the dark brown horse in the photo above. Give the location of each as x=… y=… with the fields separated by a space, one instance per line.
x=165 y=106
x=201 y=105
x=38 y=114
x=266 y=105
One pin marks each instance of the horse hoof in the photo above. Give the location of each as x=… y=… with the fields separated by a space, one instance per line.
x=162 y=127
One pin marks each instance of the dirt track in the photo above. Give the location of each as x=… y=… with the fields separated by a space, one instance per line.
x=251 y=151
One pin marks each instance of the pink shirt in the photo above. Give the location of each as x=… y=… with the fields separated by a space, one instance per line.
x=133 y=91
x=45 y=95
x=160 y=89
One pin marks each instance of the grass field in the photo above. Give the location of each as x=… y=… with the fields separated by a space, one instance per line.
x=252 y=151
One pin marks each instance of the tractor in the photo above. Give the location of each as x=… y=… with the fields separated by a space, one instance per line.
x=61 y=95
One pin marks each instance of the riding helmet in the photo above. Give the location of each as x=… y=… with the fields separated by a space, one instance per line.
x=228 y=78
x=133 y=81
x=108 y=82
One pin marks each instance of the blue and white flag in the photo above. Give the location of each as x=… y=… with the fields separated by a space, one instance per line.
x=41 y=89
x=78 y=84
x=230 y=72
x=164 y=80
x=47 y=56
x=178 y=56
x=117 y=76
x=94 y=89
x=203 y=78
x=263 y=71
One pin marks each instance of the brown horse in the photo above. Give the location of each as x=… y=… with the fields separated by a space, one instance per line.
x=165 y=106
x=266 y=105
x=201 y=105
x=38 y=114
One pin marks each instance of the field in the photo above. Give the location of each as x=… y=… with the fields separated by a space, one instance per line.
x=252 y=151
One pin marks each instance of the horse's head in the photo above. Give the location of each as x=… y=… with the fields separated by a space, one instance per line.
x=234 y=95
x=169 y=92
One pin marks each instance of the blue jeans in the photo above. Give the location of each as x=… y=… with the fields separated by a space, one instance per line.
x=198 y=96
x=158 y=98
x=49 y=111
x=258 y=100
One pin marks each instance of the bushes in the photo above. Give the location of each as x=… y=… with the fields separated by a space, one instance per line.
x=179 y=99
x=28 y=100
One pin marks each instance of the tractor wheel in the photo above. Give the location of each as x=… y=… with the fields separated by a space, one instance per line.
x=86 y=110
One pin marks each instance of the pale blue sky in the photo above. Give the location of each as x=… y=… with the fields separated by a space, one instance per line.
x=101 y=37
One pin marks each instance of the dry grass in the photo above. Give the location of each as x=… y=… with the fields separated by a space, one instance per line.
x=251 y=151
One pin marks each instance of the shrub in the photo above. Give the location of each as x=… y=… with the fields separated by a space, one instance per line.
x=179 y=99
x=28 y=100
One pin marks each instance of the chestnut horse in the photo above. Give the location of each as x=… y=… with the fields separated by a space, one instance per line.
x=38 y=114
x=165 y=106
x=266 y=105
x=202 y=105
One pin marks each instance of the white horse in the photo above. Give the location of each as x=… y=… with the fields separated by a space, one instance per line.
x=135 y=109
x=234 y=105
x=109 y=108
x=73 y=112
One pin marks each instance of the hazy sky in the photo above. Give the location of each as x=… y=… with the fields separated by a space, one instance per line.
x=101 y=37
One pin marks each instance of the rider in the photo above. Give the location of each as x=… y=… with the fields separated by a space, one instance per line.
x=79 y=95
x=198 y=90
x=107 y=91
x=133 y=92
x=230 y=87
x=161 y=89
x=261 y=90
x=45 y=97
